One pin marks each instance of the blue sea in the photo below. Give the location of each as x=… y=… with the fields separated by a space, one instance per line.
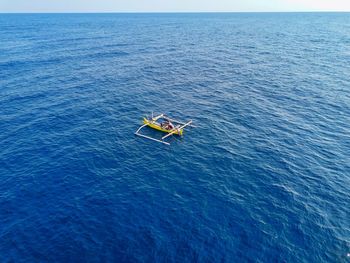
x=263 y=177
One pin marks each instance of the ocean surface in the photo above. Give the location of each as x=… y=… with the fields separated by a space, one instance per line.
x=264 y=177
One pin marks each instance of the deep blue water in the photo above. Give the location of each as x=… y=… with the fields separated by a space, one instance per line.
x=265 y=177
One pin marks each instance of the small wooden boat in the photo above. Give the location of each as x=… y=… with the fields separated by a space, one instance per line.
x=168 y=125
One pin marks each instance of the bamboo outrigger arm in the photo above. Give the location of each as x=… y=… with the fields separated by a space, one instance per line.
x=157 y=117
x=148 y=137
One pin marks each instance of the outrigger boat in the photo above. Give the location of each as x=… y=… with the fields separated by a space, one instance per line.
x=168 y=125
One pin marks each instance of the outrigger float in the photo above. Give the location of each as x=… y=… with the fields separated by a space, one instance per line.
x=168 y=125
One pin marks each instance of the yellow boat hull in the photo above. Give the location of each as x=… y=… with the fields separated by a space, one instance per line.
x=159 y=128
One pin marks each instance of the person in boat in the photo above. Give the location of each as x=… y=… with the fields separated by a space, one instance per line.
x=167 y=125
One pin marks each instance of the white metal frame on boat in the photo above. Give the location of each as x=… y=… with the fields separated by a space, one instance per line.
x=180 y=125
